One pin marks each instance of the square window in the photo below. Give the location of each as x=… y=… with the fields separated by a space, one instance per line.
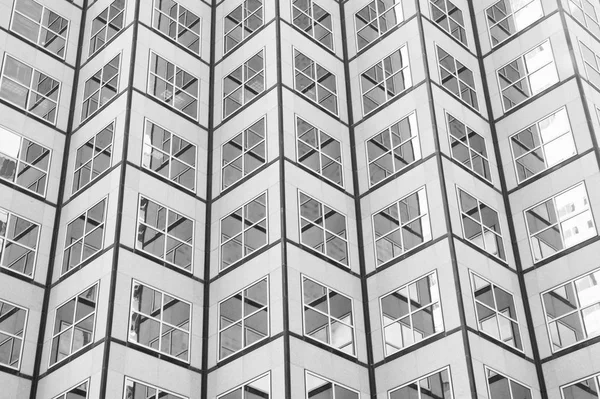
x=93 y=158
x=259 y=387
x=457 y=78
x=503 y=387
x=591 y=62
x=435 y=385
x=242 y=22
x=18 y=243
x=318 y=387
x=80 y=391
x=376 y=19
x=507 y=17
x=313 y=20
x=315 y=83
x=468 y=147
x=101 y=88
x=450 y=18
x=136 y=389
x=106 y=25
x=586 y=12
x=244 y=153
x=13 y=320
x=243 y=84
x=177 y=23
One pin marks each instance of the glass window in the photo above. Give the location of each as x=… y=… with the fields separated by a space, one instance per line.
x=77 y=392
x=244 y=231
x=160 y=321
x=93 y=158
x=542 y=145
x=169 y=156
x=318 y=387
x=242 y=22
x=13 y=320
x=41 y=26
x=503 y=387
x=100 y=88
x=401 y=226
x=106 y=25
x=244 y=318
x=315 y=82
x=393 y=149
x=138 y=390
x=328 y=316
x=29 y=89
x=496 y=312
x=23 y=162
x=507 y=17
x=573 y=311
x=178 y=23
x=74 y=324
x=165 y=234
x=468 y=147
x=323 y=229
x=450 y=18
x=404 y=325
x=457 y=78
x=18 y=243
x=376 y=19
x=319 y=152
x=244 y=153
x=257 y=388
x=243 y=84
x=585 y=11
x=385 y=80
x=592 y=64
x=560 y=222
x=172 y=85
x=527 y=76
x=436 y=385
x=314 y=21
x=85 y=236
x=481 y=224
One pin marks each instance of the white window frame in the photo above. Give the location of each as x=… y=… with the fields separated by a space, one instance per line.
x=101 y=85
x=244 y=229
x=329 y=317
x=179 y=26
x=93 y=157
x=586 y=64
x=595 y=376
x=510 y=14
x=415 y=138
x=316 y=83
x=35 y=250
x=11 y=336
x=160 y=322
x=586 y=16
x=333 y=384
x=244 y=317
x=459 y=81
x=542 y=144
x=169 y=155
x=250 y=381
x=410 y=312
x=314 y=22
x=324 y=229
x=559 y=221
x=93 y=36
x=73 y=326
x=416 y=381
x=41 y=27
x=166 y=235
x=510 y=379
x=158 y=390
x=245 y=36
x=449 y=17
x=63 y=395
x=397 y=5
x=244 y=82
x=497 y=313
x=31 y=90
x=468 y=145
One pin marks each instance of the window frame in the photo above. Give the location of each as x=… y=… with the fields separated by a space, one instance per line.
x=5 y=239
x=63 y=395
x=243 y=230
x=487 y=368
x=416 y=138
x=93 y=36
x=505 y=18
x=421 y=216
x=480 y=223
x=587 y=64
x=30 y=89
x=586 y=16
x=81 y=239
x=19 y=161
x=459 y=81
x=243 y=84
x=165 y=234
x=422 y=377
x=244 y=152
x=54 y=335
x=449 y=17
x=41 y=27
x=333 y=385
x=158 y=390
x=468 y=145
x=410 y=312
x=93 y=157
x=248 y=382
x=102 y=84
x=399 y=71
x=171 y=104
x=160 y=322
x=178 y=25
x=559 y=221
x=314 y=22
x=244 y=19
x=526 y=76
x=11 y=336
x=244 y=317
x=323 y=229
x=541 y=145
x=316 y=83
x=329 y=317
x=397 y=3
x=595 y=376
x=170 y=156
x=497 y=313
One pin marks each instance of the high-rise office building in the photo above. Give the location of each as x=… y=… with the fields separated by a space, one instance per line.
x=299 y=199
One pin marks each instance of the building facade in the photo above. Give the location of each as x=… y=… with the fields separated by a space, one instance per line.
x=299 y=199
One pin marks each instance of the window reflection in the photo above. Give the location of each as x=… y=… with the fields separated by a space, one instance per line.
x=178 y=23
x=18 y=243
x=13 y=320
x=315 y=82
x=468 y=147
x=258 y=388
x=243 y=84
x=457 y=78
x=450 y=18
x=507 y=17
x=244 y=153
x=503 y=387
x=436 y=385
x=318 y=387
x=138 y=390
x=375 y=19
x=242 y=22
x=319 y=152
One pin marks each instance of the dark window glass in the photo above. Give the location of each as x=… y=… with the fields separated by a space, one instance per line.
x=319 y=152
x=13 y=319
x=106 y=25
x=93 y=158
x=375 y=19
x=315 y=82
x=243 y=84
x=18 y=243
x=242 y=22
x=178 y=23
x=244 y=153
